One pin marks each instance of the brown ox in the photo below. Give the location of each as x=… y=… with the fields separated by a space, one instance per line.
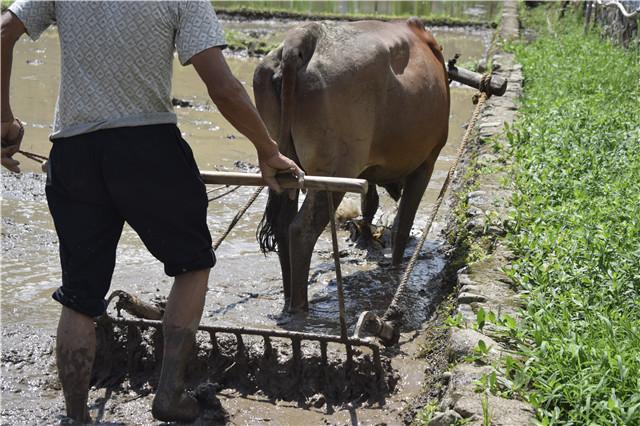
x=364 y=99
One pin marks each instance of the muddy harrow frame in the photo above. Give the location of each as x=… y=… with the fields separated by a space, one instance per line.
x=296 y=338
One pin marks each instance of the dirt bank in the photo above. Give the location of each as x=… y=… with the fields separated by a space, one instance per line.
x=469 y=389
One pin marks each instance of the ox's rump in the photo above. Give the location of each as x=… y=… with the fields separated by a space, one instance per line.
x=370 y=97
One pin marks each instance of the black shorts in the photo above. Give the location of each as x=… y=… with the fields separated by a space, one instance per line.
x=146 y=176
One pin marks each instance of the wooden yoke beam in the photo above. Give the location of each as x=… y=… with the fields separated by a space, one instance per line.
x=287 y=181
x=497 y=84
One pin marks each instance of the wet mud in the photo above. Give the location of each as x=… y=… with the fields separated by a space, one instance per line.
x=27 y=372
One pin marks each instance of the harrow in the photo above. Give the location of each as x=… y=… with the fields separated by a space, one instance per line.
x=148 y=316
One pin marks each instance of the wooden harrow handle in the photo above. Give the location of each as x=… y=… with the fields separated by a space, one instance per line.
x=287 y=181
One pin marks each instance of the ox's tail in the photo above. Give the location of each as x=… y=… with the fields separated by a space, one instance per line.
x=281 y=208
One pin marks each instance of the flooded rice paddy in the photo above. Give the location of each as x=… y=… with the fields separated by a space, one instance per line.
x=245 y=286
x=485 y=10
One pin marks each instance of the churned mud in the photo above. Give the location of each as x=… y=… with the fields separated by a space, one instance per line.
x=28 y=373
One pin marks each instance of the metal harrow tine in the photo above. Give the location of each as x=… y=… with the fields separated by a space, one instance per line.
x=323 y=353
x=323 y=364
x=377 y=365
x=241 y=355
x=296 y=349
x=134 y=338
x=268 y=349
x=215 y=351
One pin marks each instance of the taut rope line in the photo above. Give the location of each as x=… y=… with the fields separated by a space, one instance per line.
x=238 y=215
x=217 y=197
x=394 y=311
x=32 y=156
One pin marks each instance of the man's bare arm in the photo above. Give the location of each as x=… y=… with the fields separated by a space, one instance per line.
x=235 y=105
x=11 y=28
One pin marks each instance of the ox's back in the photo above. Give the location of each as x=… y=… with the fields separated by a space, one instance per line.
x=369 y=98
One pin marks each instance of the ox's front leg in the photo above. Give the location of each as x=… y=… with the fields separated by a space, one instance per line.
x=304 y=231
x=414 y=187
x=369 y=205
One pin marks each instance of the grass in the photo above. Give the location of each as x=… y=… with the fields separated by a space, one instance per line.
x=425 y=414
x=237 y=40
x=577 y=225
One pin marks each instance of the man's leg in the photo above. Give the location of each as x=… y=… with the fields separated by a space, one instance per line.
x=181 y=318
x=75 y=352
x=168 y=210
x=88 y=227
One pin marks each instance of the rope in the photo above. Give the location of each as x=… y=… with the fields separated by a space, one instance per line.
x=217 y=197
x=395 y=310
x=485 y=87
x=35 y=157
x=217 y=188
x=237 y=217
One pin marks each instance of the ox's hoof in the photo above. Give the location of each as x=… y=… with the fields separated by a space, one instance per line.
x=365 y=241
x=182 y=407
x=298 y=310
x=367 y=237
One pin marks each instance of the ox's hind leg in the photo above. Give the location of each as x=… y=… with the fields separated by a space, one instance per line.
x=273 y=233
x=304 y=231
x=414 y=187
x=288 y=211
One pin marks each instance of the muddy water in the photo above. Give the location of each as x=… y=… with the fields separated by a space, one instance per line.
x=245 y=287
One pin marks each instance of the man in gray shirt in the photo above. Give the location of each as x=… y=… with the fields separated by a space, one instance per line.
x=114 y=125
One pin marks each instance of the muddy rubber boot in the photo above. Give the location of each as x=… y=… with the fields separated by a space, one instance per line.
x=172 y=402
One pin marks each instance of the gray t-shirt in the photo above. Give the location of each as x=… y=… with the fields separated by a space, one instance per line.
x=117 y=57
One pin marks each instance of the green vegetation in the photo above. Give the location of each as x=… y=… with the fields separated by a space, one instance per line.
x=237 y=40
x=577 y=226
x=425 y=414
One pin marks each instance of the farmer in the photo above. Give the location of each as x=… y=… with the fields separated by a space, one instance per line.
x=118 y=156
